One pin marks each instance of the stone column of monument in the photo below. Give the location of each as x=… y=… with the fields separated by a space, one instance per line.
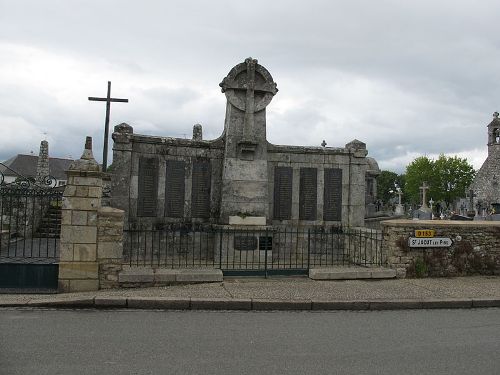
x=42 y=166
x=121 y=183
x=355 y=189
x=249 y=88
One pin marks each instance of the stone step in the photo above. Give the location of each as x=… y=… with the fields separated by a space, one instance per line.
x=351 y=273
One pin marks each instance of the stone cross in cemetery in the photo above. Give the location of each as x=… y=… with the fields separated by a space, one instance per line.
x=471 y=212
x=108 y=99
x=424 y=189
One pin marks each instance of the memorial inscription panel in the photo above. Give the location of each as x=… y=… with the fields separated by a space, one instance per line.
x=200 y=190
x=283 y=193
x=148 y=187
x=332 y=196
x=245 y=243
x=174 y=188
x=308 y=194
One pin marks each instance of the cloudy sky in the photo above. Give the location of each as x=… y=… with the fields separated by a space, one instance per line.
x=408 y=78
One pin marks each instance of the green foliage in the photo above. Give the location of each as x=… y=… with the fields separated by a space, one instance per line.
x=447 y=177
x=421 y=268
x=386 y=181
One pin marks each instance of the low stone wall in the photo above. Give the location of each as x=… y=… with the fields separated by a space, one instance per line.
x=475 y=248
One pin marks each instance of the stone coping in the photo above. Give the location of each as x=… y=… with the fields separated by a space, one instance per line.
x=439 y=223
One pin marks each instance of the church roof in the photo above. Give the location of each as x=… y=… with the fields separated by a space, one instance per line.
x=25 y=165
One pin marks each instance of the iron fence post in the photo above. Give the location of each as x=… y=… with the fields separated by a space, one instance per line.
x=220 y=247
x=265 y=255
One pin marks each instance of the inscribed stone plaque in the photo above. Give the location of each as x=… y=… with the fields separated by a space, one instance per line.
x=148 y=187
x=308 y=194
x=200 y=190
x=332 y=197
x=174 y=188
x=283 y=193
x=245 y=243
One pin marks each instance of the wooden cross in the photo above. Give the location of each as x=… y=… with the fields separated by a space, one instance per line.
x=424 y=189
x=108 y=101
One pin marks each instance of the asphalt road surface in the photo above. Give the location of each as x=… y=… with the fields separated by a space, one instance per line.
x=200 y=342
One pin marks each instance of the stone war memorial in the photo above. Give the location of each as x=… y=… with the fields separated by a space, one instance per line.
x=239 y=178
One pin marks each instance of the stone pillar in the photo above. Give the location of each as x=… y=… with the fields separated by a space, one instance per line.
x=78 y=266
x=42 y=166
x=109 y=246
x=355 y=193
x=197 y=132
x=122 y=183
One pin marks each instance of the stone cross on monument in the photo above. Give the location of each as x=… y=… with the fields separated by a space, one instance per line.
x=108 y=99
x=248 y=88
x=424 y=189
x=249 y=92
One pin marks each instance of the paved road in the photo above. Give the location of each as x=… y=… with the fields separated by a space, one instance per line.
x=190 y=342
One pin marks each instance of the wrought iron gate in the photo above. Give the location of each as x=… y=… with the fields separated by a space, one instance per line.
x=30 y=224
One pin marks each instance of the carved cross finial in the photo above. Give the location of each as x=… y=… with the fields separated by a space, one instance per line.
x=495 y=114
x=323 y=143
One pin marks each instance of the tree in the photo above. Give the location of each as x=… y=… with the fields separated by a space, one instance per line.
x=453 y=176
x=386 y=182
x=447 y=177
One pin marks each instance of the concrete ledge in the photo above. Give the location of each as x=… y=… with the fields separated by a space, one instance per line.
x=340 y=305
x=199 y=276
x=383 y=273
x=351 y=273
x=110 y=301
x=447 y=303
x=167 y=303
x=273 y=304
x=220 y=304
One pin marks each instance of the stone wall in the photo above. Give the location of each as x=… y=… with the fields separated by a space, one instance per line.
x=130 y=148
x=475 y=248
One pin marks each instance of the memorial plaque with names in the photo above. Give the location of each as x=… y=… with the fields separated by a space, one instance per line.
x=283 y=177
x=308 y=194
x=332 y=197
x=148 y=187
x=174 y=188
x=200 y=190
x=245 y=243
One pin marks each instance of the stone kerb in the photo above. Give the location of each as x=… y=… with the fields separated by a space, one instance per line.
x=475 y=248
